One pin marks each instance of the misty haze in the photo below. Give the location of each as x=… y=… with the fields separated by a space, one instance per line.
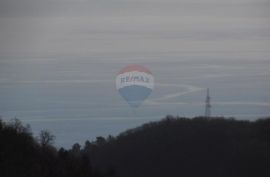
x=59 y=61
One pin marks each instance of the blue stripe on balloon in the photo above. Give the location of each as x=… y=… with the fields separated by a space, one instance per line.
x=135 y=94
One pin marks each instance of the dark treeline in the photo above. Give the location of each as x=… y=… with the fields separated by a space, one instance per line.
x=172 y=147
x=182 y=147
x=22 y=155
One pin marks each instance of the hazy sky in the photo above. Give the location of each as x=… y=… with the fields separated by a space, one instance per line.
x=59 y=60
x=43 y=28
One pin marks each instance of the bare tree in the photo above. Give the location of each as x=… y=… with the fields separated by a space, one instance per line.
x=46 y=138
x=17 y=125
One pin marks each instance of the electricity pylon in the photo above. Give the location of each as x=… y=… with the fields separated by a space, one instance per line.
x=207 y=105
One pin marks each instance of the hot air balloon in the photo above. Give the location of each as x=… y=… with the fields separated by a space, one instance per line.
x=135 y=83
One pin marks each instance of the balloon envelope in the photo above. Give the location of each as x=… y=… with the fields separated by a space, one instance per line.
x=135 y=83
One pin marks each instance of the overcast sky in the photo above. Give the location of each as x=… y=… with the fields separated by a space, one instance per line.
x=83 y=27
x=59 y=60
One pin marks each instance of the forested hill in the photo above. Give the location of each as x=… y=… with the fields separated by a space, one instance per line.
x=172 y=147
x=182 y=147
x=22 y=155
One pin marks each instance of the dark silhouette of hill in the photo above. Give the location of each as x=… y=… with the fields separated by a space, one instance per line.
x=173 y=147
x=182 y=147
x=21 y=155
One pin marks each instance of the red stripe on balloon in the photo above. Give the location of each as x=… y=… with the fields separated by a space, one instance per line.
x=135 y=67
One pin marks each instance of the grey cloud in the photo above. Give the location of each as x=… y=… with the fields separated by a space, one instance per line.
x=80 y=28
x=223 y=103
x=61 y=54
x=41 y=8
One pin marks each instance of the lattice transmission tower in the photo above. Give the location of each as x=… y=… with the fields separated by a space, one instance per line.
x=207 y=105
